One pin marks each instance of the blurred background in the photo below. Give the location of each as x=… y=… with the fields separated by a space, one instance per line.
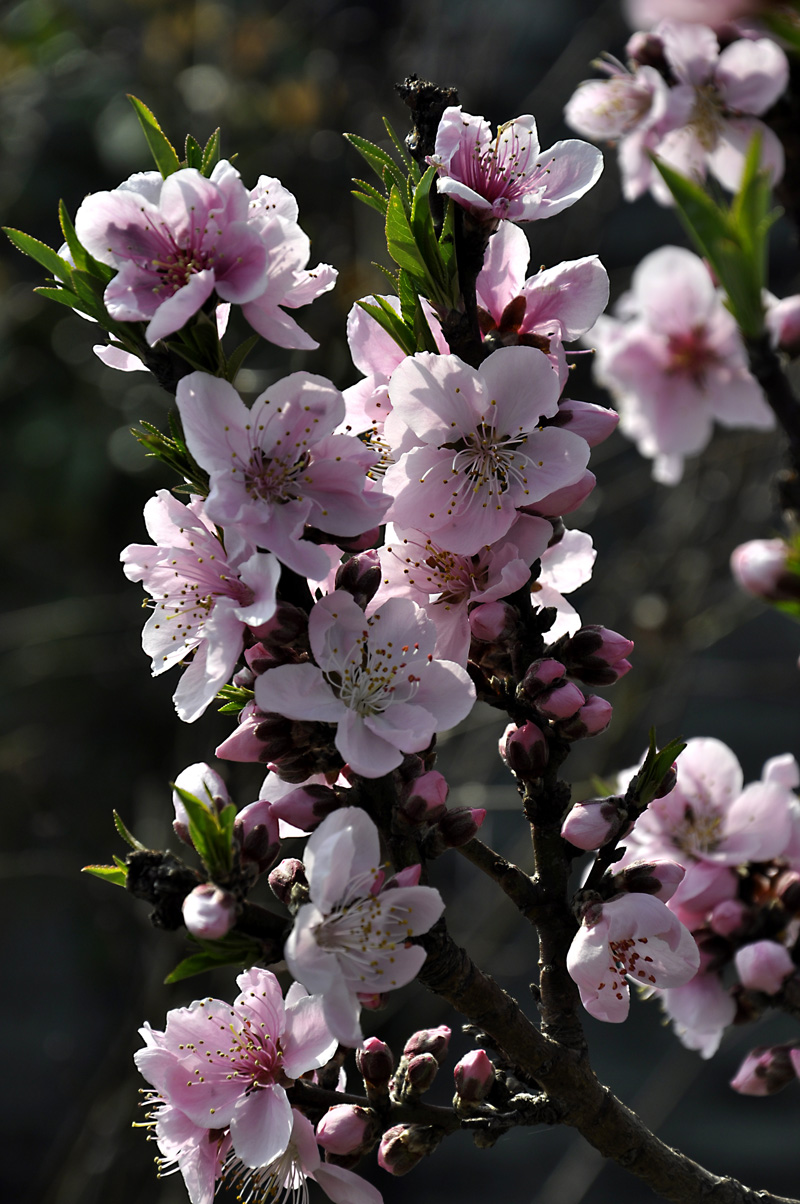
x=86 y=730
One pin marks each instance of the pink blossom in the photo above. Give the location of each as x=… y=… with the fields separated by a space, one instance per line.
x=484 y=453
x=204 y=595
x=724 y=93
x=173 y=243
x=197 y=1152
x=350 y=939
x=632 y=937
x=700 y=1012
x=565 y=567
x=766 y=1070
x=276 y=466
x=375 y=678
x=508 y=176
x=762 y=567
x=675 y=362
x=289 y=284
x=643 y=14
x=764 y=966
x=447 y=584
x=237 y=1081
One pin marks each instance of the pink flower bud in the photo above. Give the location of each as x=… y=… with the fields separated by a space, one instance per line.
x=659 y=878
x=596 y=655
x=403 y=1146
x=592 y=422
x=287 y=629
x=524 y=750
x=347 y=1129
x=592 y=718
x=562 y=702
x=728 y=917
x=420 y=1072
x=767 y=1070
x=763 y=966
x=474 y=1076
x=761 y=567
x=646 y=49
x=256 y=829
x=491 y=621
x=541 y=674
x=244 y=744
x=288 y=881
x=306 y=807
x=375 y=1063
x=209 y=912
x=426 y=801
x=360 y=576
x=434 y=1041
x=783 y=323
x=591 y=824
x=410 y=876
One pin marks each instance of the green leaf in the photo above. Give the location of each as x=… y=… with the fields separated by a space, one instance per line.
x=193 y=153
x=232 y=950
x=785 y=27
x=162 y=150
x=238 y=356
x=235 y=698
x=392 y=323
x=115 y=874
x=399 y=237
x=210 y=832
x=60 y=294
x=378 y=160
x=211 y=154
x=127 y=836
x=46 y=256
x=370 y=196
x=80 y=255
x=405 y=158
x=172 y=451
x=647 y=782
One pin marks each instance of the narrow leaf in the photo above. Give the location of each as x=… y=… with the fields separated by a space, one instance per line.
x=43 y=254
x=162 y=150
x=399 y=237
x=238 y=356
x=211 y=154
x=378 y=159
x=60 y=294
x=193 y=153
x=108 y=873
x=126 y=835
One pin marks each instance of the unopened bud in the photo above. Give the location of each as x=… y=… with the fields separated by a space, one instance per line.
x=403 y=1146
x=288 y=882
x=435 y=1041
x=458 y=826
x=524 y=750
x=767 y=1069
x=347 y=1129
x=565 y=500
x=659 y=878
x=491 y=621
x=562 y=702
x=420 y=1072
x=782 y=320
x=668 y=782
x=427 y=800
x=474 y=1077
x=592 y=422
x=410 y=876
x=209 y=912
x=592 y=719
x=728 y=916
x=256 y=829
x=591 y=824
x=764 y=966
x=646 y=49
x=539 y=676
x=306 y=807
x=597 y=656
x=376 y=1064
x=360 y=576
x=762 y=567
x=282 y=637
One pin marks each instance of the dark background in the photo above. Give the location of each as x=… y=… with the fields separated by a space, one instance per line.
x=86 y=730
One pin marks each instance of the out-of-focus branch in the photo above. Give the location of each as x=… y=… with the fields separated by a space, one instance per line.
x=765 y=364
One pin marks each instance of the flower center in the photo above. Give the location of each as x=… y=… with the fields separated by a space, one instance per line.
x=690 y=354
x=489 y=460
x=272 y=478
x=279 y=1181
x=371 y=679
x=706 y=118
x=699 y=833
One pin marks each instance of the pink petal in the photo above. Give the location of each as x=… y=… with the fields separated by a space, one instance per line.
x=261 y=1125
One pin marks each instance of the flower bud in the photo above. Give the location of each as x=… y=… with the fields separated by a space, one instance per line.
x=660 y=878
x=763 y=966
x=403 y=1146
x=492 y=621
x=767 y=1070
x=761 y=567
x=540 y=675
x=283 y=637
x=410 y=876
x=288 y=882
x=592 y=824
x=646 y=49
x=524 y=750
x=256 y=829
x=347 y=1129
x=425 y=803
x=597 y=656
x=783 y=323
x=592 y=718
x=360 y=576
x=420 y=1072
x=458 y=826
x=306 y=807
x=435 y=1041
x=474 y=1076
x=562 y=702
x=209 y=912
x=375 y=1063
x=668 y=782
x=728 y=917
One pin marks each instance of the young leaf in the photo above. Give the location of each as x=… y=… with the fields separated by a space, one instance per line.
x=80 y=256
x=211 y=834
x=46 y=256
x=370 y=196
x=193 y=153
x=378 y=159
x=210 y=154
x=127 y=836
x=392 y=323
x=60 y=294
x=405 y=158
x=232 y=950
x=399 y=237
x=238 y=356
x=162 y=150
x=109 y=873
